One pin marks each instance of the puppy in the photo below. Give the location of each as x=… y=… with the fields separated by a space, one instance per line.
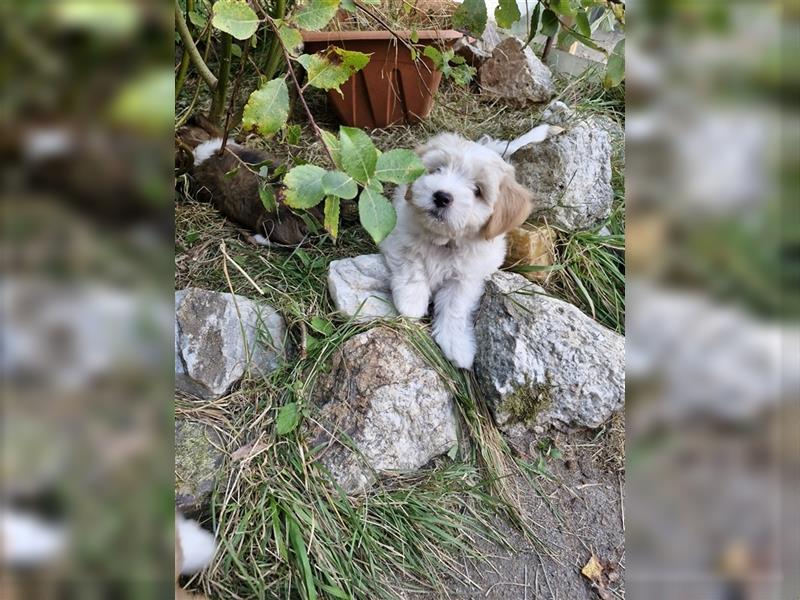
x=194 y=549
x=450 y=233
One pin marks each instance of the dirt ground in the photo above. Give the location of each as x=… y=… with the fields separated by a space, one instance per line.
x=577 y=513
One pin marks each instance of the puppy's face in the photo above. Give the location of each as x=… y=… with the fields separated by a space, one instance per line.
x=468 y=190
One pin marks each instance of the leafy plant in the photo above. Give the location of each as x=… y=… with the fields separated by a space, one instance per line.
x=358 y=163
x=357 y=170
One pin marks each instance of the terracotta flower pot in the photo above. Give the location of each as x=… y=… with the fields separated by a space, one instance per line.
x=392 y=88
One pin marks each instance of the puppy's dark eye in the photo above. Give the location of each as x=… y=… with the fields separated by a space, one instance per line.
x=477 y=191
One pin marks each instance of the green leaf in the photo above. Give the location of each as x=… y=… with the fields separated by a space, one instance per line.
x=292 y=134
x=267 y=198
x=507 y=13
x=197 y=19
x=414 y=36
x=562 y=7
x=376 y=214
x=304 y=186
x=358 y=154
x=534 y=24
x=321 y=325
x=235 y=17
x=334 y=147
x=331 y=222
x=331 y=68
x=341 y=185
x=192 y=236
x=288 y=418
x=142 y=101
x=615 y=71
x=299 y=547
x=582 y=23
x=549 y=23
x=267 y=108
x=291 y=38
x=236 y=50
x=471 y=15
x=433 y=53
x=399 y=166
x=315 y=14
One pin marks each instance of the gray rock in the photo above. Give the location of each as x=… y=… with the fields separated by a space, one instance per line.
x=359 y=287
x=540 y=360
x=570 y=173
x=213 y=348
x=515 y=73
x=478 y=51
x=395 y=408
x=198 y=460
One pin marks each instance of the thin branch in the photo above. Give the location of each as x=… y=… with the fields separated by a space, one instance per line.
x=190 y=47
x=290 y=68
x=234 y=94
x=218 y=102
x=383 y=24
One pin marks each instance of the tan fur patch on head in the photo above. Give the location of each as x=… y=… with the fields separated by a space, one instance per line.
x=514 y=204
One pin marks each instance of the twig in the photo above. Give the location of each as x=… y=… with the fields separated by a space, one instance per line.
x=190 y=47
x=383 y=23
x=238 y=268
x=218 y=102
x=317 y=130
x=234 y=93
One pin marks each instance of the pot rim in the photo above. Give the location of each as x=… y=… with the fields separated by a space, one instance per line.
x=343 y=36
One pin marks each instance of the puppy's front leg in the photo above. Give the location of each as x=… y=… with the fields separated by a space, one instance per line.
x=410 y=291
x=453 y=330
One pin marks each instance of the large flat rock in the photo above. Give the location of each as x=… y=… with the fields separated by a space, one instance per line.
x=542 y=361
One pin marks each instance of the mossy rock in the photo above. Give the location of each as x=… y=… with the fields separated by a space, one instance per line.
x=198 y=463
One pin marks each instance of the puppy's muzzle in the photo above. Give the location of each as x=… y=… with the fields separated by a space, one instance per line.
x=442 y=199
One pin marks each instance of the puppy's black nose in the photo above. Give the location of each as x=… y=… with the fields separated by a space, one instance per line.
x=442 y=199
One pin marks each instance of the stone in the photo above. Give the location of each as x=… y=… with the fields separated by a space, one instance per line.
x=514 y=73
x=531 y=246
x=198 y=460
x=213 y=349
x=478 y=51
x=359 y=287
x=569 y=174
x=394 y=407
x=541 y=361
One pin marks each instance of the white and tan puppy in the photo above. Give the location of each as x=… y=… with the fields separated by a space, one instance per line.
x=450 y=233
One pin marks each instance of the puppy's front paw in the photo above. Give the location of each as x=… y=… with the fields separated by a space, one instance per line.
x=411 y=300
x=459 y=349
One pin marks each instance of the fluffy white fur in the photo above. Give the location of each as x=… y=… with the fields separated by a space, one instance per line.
x=28 y=540
x=196 y=544
x=446 y=251
x=205 y=150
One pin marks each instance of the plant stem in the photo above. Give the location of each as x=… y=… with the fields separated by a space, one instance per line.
x=548 y=44
x=234 y=94
x=190 y=47
x=274 y=55
x=218 y=103
x=184 y=66
x=290 y=68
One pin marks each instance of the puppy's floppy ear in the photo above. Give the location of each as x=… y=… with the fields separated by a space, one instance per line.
x=514 y=204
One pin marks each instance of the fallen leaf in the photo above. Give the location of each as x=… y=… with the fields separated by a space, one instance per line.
x=593 y=570
x=248 y=451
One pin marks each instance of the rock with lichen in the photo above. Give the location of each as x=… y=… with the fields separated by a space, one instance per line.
x=198 y=460
x=542 y=361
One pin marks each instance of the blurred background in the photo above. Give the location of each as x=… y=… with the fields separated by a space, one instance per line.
x=713 y=242
x=86 y=506
x=713 y=298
